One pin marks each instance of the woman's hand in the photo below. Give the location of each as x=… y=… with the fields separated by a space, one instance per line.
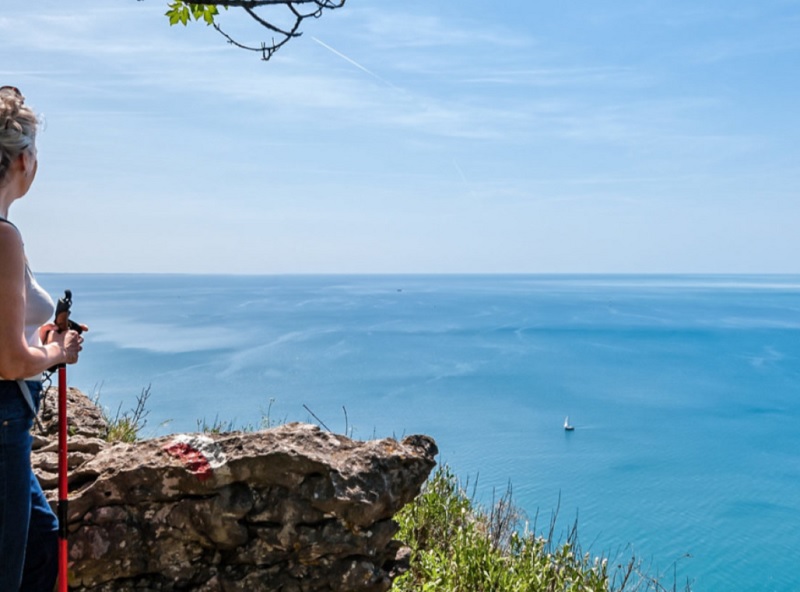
x=70 y=342
x=47 y=328
x=73 y=344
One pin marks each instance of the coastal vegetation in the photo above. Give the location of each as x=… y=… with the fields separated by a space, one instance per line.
x=458 y=546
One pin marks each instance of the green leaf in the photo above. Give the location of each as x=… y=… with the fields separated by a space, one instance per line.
x=210 y=13
x=181 y=11
x=174 y=13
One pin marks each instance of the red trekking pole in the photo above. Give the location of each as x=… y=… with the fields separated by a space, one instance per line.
x=63 y=500
x=63 y=323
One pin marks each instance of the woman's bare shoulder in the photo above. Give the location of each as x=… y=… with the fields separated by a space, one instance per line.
x=10 y=243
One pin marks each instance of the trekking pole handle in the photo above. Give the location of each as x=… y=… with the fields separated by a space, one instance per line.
x=63 y=310
x=62 y=320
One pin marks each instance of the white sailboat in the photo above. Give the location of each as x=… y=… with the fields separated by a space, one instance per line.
x=567 y=426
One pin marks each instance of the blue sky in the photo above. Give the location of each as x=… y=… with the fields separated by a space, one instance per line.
x=400 y=137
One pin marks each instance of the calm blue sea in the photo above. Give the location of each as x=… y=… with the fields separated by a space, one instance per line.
x=684 y=391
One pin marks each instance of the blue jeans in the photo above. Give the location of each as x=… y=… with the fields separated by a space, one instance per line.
x=28 y=527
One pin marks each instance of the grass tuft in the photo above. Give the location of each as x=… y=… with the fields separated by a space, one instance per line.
x=125 y=426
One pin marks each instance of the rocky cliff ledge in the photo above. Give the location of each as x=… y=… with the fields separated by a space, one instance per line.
x=290 y=509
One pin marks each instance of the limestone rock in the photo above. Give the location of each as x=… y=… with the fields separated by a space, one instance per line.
x=292 y=508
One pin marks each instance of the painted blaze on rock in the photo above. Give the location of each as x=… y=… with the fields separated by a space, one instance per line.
x=199 y=453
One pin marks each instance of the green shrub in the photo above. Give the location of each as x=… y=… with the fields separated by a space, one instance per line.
x=457 y=546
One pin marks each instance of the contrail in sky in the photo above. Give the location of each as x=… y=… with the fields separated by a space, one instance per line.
x=460 y=172
x=355 y=63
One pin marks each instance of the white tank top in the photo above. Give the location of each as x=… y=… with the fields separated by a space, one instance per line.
x=39 y=307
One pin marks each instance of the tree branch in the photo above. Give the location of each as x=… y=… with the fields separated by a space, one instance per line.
x=256 y=3
x=284 y=34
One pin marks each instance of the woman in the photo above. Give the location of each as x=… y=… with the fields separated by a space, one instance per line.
x=28 y=528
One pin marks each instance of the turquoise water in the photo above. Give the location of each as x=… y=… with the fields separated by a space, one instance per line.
x=683 y=391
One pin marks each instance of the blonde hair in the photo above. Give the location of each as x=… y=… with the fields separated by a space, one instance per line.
x=18 y=125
